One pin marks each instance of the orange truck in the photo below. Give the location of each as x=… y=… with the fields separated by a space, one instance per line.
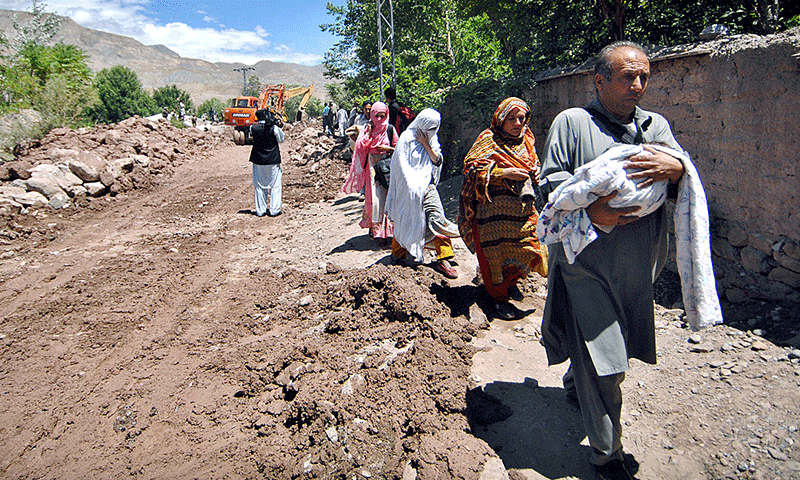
x=242 y=112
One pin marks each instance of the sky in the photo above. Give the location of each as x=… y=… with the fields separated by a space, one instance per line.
x=215 y=30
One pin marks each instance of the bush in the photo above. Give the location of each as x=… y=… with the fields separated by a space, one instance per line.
x=62 y=103
x=176 y=121
x=16 y=128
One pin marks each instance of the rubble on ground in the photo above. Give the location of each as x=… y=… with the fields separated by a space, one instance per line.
x=68 y=166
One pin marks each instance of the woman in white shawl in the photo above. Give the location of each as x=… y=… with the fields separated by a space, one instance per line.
x=412 y=202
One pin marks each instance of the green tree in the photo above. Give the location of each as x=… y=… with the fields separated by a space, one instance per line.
x=437 y=47
x=537 y=34
x=39 y=30
x=254 y=86
x=171 y=96
x=62 y=102
x=337 y=94
x=51 y=79
x=445 y=44
x=30 y=61
x=55 y=80
x=121 y=95
x=314 y=107
x=215 y=103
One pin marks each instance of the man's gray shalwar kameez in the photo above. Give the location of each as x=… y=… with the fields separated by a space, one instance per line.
x=599 y=310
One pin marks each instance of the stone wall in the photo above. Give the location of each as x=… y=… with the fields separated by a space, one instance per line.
x=733 y=104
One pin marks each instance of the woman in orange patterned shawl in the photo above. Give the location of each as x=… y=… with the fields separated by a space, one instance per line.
x=497 y=217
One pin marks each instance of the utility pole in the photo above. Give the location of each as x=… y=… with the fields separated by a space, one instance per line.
x=382 y=20
x=244 y=76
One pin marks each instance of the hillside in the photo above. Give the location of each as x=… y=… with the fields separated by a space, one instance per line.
x=158 y=66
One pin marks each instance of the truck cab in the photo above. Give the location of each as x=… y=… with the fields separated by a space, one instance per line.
x=240 y=115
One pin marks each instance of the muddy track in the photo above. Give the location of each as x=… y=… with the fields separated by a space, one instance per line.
x=168 y=332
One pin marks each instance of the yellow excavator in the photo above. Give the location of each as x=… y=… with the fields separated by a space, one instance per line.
x=242 y=112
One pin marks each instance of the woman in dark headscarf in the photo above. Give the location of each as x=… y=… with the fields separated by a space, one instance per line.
x=497 y=217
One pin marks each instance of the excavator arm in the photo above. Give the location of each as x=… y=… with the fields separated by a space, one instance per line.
x=274 y=96
x=305 y=91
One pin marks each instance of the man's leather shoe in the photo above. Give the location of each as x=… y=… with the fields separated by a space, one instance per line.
x=613 y=470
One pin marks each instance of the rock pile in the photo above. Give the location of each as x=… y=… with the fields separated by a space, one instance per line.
x=308 y=145
x=69 y=165
x=316 y=164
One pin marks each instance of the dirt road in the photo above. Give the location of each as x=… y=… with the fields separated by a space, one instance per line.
x=171 y=333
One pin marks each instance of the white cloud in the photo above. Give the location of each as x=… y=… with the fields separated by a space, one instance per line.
x=131 y=18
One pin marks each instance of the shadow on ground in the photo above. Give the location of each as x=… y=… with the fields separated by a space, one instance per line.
x=530 y=428
x=348 y=199
x=362 y=243
x=773 y=320
x=460 y=298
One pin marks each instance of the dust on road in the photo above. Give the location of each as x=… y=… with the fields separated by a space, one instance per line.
x=171 y=333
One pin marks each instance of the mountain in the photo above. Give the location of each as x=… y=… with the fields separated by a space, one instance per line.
x=158 y=66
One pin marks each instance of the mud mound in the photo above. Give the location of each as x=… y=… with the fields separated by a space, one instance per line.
x=371 y=376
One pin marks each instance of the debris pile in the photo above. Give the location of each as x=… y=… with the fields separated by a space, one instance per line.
x=69 y=165
x=323 y=163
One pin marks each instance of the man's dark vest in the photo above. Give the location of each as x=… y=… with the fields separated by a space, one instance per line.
x=265 y=146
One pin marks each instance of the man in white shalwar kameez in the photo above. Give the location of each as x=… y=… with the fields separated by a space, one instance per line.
x=342 y=120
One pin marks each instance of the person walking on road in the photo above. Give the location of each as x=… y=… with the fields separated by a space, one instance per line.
x=375 y=142
x=413 y=202
x=326 y=117
x=599 y=309
x=497 y=215
x=341 y=120
x=266 y=159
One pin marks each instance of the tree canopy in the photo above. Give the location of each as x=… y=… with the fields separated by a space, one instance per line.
x=121 y=95
x=441 y=44
x=170 y=97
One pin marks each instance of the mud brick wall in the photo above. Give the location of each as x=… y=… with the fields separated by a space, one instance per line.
x=734 y=106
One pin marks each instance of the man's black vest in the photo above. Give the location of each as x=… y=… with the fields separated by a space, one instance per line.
x=265 y=146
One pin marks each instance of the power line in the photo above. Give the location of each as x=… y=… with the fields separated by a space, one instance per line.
x=244 y=77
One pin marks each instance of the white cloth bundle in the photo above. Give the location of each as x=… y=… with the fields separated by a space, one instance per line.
x=564 y=219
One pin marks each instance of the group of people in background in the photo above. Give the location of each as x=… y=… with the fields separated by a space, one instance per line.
x=599 y=308
x=335 y=121
x=407 y=208
x=498 y=216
